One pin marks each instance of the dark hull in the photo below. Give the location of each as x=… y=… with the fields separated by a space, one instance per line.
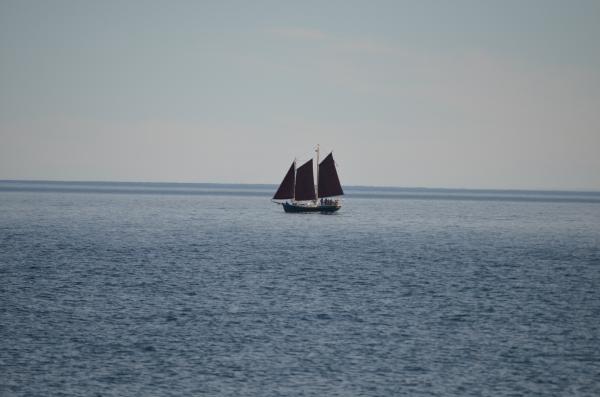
x=288 y=207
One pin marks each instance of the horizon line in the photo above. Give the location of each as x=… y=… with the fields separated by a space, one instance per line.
x=545 y=190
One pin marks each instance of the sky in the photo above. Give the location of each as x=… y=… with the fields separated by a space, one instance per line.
x=458 y=94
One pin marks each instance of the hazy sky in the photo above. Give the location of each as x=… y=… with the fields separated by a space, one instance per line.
x=479 y=94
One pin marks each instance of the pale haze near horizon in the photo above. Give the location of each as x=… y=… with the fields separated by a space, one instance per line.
x=470 y=94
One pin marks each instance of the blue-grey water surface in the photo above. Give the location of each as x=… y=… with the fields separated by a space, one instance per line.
x=120 y=290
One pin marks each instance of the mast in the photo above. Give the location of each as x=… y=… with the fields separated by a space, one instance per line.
x=317 y=189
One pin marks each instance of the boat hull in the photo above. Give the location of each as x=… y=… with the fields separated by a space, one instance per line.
x=294 y=208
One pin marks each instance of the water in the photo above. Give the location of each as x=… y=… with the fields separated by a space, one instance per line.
x=177 y=290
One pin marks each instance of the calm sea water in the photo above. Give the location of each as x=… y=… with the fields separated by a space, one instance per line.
x=178 y=290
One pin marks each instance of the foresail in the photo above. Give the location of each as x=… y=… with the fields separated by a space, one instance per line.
x=329 y=182
x=286 y=189
x=305 y=182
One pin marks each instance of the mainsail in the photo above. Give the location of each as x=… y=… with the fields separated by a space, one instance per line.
x=305 y=183
x=286 y=189
x=329 y=182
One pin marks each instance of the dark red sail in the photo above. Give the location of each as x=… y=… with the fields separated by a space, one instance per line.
x=286 y=189
x=329 y=182
x=305 y=183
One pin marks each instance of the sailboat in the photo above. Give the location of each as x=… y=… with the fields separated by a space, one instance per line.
x=298 y=187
